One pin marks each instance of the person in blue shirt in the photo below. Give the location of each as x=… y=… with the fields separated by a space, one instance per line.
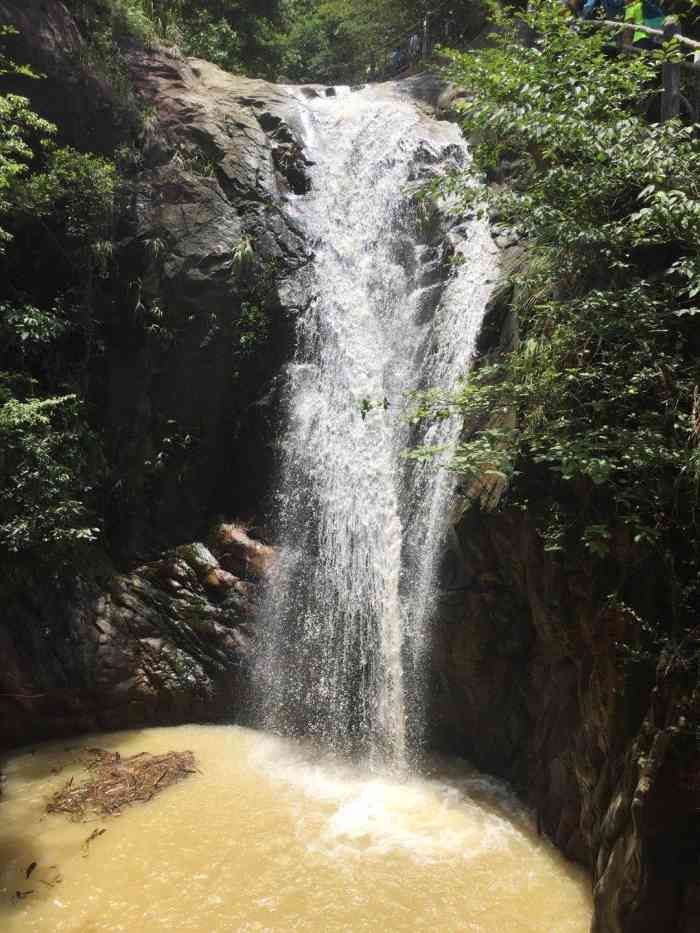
x=613 y=9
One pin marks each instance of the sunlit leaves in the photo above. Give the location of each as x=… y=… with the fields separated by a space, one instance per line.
x=600 y=388
x=45 y=451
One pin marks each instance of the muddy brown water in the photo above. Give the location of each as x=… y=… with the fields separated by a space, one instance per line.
x=274 y=836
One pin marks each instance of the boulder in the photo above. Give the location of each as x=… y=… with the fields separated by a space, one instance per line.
x=166 y=642
x=241 y=552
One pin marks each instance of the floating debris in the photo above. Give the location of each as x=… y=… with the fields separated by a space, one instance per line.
x=30 y=869
x=52 y=882
x=117 y=782
x=95 y=834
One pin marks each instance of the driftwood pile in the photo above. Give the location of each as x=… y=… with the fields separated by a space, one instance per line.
x=116 y=782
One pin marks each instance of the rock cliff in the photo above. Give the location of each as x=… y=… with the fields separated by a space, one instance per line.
x=540 y=678
x=196 y=323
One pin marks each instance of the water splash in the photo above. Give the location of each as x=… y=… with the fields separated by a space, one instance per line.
x=360 y=529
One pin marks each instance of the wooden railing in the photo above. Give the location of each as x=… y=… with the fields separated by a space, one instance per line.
x=672 y=99
x=418 y=46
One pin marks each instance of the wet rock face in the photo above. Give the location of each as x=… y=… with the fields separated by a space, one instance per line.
x=220 y=158
x=164 y=643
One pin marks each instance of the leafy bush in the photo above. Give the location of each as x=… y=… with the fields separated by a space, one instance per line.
x=75 y=194
x=57 y=201
x=597 y=404
x=17 y=123
x=335 y=40
x=214 y=40
x=46 y=457
x=236 y=34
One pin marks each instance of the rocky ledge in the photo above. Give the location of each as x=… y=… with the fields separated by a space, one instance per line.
x=165 y=643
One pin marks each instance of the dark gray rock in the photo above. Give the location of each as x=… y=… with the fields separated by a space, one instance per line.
x=164 y=643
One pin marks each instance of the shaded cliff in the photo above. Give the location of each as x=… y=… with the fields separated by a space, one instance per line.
x=201 y=250
x=541 y=677
x=189 y=323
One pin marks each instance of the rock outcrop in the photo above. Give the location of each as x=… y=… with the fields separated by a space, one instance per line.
x=197 y=318
x=165 y=643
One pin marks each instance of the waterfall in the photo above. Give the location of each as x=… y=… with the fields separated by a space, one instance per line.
x=395 y=296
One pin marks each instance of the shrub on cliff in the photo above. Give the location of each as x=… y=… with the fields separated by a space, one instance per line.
x=593 y=416
x=55 y=209
x=238 y=35
x=44 y=464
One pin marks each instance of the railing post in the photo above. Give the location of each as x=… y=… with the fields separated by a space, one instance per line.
x=671 y=73
x=426 y=35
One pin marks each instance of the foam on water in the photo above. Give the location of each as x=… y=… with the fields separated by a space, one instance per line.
x=373 y=810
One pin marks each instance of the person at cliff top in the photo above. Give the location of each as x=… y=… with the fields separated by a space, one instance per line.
x=644 y=13
x=571 y=6
x=612 y=9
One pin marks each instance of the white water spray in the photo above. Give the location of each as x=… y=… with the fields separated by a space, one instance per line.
x=361 y=530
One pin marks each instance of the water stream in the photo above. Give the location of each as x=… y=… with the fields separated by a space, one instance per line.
x=395 y=296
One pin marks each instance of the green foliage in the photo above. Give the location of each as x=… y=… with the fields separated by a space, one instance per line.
x=46 y=454
x=254 y=327
x=300 y=40
x=242 y=254
x=595 y=410
x=214 y=40
x=337 y=40
x=115 y=18
x=236 y=34
x=56 y=206
x=74 y=193
x=318 y=44
x=27 y=328
x=18 y=125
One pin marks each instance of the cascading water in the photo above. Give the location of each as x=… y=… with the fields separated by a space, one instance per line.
x=271 y=834
x=361 y=528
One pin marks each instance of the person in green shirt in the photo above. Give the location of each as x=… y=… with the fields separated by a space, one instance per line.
x=644 y=13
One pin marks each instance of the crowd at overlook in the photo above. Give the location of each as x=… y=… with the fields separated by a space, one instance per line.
x=639 y=12
x=637 y=15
